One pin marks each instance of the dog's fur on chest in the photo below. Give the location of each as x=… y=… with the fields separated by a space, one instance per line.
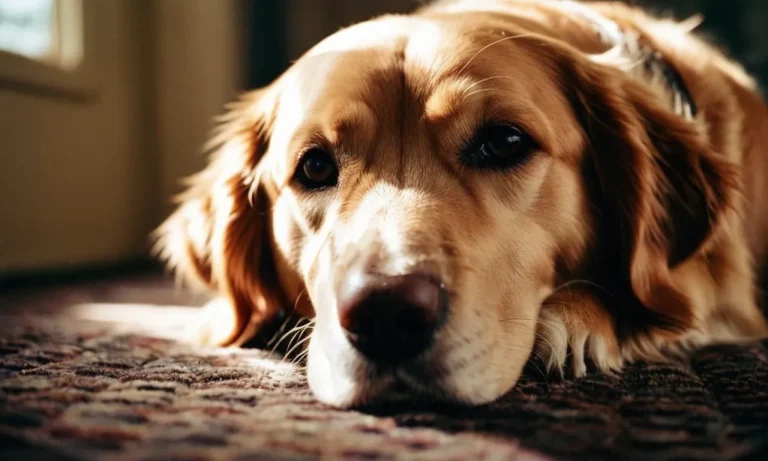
x=631 y=233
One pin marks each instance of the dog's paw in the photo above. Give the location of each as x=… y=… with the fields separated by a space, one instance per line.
x=571 y=336
x=217 y=324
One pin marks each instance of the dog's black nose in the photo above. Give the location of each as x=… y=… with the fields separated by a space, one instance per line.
x=390 y=319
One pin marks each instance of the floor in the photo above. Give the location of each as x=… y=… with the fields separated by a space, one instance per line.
x=94 y=369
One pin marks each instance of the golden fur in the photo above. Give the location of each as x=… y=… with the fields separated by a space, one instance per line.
x=632 y=233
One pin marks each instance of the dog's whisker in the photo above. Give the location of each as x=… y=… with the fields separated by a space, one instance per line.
x=292 y=333
x=291 y=330
x=298 y=363
x=287 y=319
x=561 y=336
x=487 y=79
x=297 y=345
x=280 y=332
x=482 y=90
x=299 y=330
x=544 y=339
x=297 y=334
x=583 y=282
x=300 y=360
x=300 y=357
x=504 y=39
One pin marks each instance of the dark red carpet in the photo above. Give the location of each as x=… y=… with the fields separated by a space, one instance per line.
x=92 y=371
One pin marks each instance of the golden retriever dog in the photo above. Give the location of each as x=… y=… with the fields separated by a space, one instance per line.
x=448 y=193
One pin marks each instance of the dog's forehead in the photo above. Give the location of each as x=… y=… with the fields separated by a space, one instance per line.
x=395 y=33
x=420 y=49
x=374 y=62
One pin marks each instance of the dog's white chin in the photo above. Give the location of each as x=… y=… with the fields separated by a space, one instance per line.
x=342 y=379
x=333 y=383
x=335 y=389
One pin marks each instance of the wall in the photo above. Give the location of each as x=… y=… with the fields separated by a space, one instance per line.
x=200 y=66
x=84 y=177
x=75 y=179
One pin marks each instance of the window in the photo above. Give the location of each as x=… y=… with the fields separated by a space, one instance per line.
x=27 y=27
x=42 y=44
x=44 y=30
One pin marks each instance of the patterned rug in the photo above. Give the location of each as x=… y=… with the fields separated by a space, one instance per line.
x=92 y=371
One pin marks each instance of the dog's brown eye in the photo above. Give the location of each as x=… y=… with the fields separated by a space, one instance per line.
x=498 y=147
x=503 y=142
x=317 y=170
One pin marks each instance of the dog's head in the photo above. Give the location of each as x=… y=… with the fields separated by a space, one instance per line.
x=421 y=186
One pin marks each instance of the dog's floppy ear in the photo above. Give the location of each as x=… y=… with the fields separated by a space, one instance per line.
x=664 y=190
x=217 y=237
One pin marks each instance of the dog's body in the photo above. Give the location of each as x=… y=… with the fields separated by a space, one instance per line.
x=499 y=170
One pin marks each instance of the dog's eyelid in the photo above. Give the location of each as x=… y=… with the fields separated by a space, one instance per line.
x=312 y=145
x=311 y=140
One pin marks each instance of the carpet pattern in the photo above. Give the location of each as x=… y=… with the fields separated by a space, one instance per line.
x=77 y=387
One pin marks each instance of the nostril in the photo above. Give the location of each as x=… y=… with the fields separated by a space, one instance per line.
x=360 y=326
x=411 y=321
